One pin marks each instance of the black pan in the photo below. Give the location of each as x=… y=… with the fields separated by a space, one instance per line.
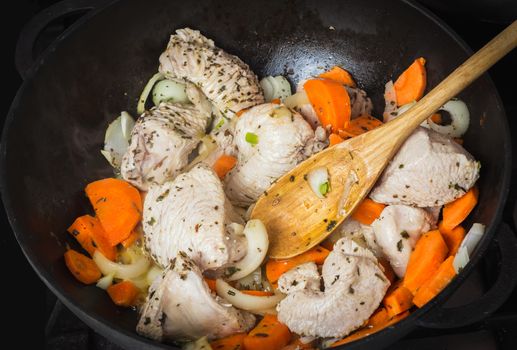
x=54 y=131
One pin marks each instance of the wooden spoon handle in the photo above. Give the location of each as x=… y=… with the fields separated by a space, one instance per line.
x=465 y=74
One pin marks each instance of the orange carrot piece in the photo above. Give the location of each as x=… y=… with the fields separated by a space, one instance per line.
x=359 y=126
x=339 y=75
x=241 y=112
x=133 y=237
x=378 y=317
x=82 y=267
x=436 y=284
x=410 y=85
x=88 y=231
x=430 y=251
x=268 y=334
x=455 y=212
x=398 y=300
x=275 y=268
x=452 y=238
x=118 y=206
x=223 y=165
x=330 y=101
x=276 y=101
x=334 y=139
x=436 y=118
x=388 y=270
x=211 y=284
x=258 y=293
x=123 y=293
x=327 y=244
x=233 y=342
x=367 y=211
x=364 y=332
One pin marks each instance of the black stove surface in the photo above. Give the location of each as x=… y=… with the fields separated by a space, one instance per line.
x=35 y=318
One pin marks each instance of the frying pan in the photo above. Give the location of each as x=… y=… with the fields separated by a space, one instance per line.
x=55 y=127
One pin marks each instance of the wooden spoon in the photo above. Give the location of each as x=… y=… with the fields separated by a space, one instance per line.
x=296 y=219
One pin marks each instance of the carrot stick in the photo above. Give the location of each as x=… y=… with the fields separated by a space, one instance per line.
x=436 y=284
x=429 y=253
x=410 y=85
x=82 y=267
x=452 y=238
x=275 y=268
x=397 y=300
x=258 y=293
x=388 y=270
x=330 y=101
x=359 y=126
x=118 y=206
x=334 y=139
x=378 y=317
x=275 y=101
x=233 y=342
x=364 y=332
x=455 y=212
x=133 y=237
x=367 y=211
x=123 y=293
x=268 y=334
x=211 y=284
x=223 y=165
x=339 y=75
x=88 y=231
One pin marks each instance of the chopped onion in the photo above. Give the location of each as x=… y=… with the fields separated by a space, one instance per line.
x=246 y=301
x=275 y=87
x=200 y=344
x=258 y=244
x=116 y=139
x=105 y=282
x=297 y=100
x=319 y=181
x=153 y=272
x=169 y=91
x=140 y=108
x=133 y=270
x=460 y=119
x=467 y=246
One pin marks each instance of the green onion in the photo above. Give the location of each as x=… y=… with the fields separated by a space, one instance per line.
x=251 y=138
x=219 y=124
x=324 y=188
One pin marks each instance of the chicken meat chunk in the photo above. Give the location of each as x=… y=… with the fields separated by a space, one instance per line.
x=429 y=170
x=180 y=306
x=224 y=79
x=271 y=140
x=360 y=233
x=193 y=215
x=397 y=230
x=304 y=276
x=354 y=288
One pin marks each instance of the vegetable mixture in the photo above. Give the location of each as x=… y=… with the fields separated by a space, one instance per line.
x=170 y=232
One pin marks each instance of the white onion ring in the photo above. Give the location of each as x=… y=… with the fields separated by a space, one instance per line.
x=275 y=87
x=116 y=139
x=246 y=301
x=153 y=272
x=297 y=100
x=460 y=119
x=467 y=246
x=316 y=178
x=169 y=91
x=140 y=108
x=121 y=271
x=258 y=244
x=105 y=281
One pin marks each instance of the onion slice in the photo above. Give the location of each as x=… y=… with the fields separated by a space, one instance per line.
x=105 y=281
x=319 y=181
x=467 y=246
x=245 y=301
x=116 y=139
x=275 y=87
x=258 y=244
x=460 y=119
x=153 y=272
x=169 y=91
x=140 y=108
x=297 y=100
x=129 y=271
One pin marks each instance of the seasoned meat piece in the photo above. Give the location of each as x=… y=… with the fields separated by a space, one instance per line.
x=360 y=233
x=354 y=288
x=304 y=276
x=225 y=80
x=193 y=215
x=180 y=306
x=429 y=170
x=397 y=230
x=271 y=140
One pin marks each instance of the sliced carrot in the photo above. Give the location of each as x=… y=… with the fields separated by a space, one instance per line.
x=133 y=237
x=88 y=231
x=241 y=112
x=366 y=331
x=388 y=270
x=436 y=284
x=339 y=75
x=410 y=85
x=378 y=317
x=359 y=126
x=327 y=244
x=430 y=251
x=436 y=118
x=118 y=206
x=82 y=267
x=452 y=238
x=223 y=165
x=211 y=284
x=233 y=342
x=275 y=268
x=330 y=101
x=268 y=334
x=334 y=139
x=258 y=293
x=397 y=300
x=367 y=211
x=275 y=101
x=455 y=212
x=123 y=293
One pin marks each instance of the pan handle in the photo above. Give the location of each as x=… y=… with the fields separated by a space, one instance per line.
x=24 y=55
x=464 y=315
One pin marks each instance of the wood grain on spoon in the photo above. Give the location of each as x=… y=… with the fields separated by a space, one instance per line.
x=296 y=219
